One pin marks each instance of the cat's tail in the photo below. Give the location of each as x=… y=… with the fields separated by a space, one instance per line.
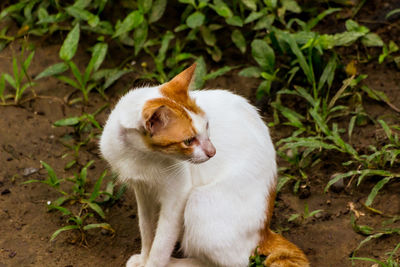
x=280 y=252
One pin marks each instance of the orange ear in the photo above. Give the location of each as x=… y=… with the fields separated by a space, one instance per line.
x=179 y=85
x=156 y=119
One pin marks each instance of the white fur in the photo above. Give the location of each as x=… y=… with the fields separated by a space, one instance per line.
x=216 y=208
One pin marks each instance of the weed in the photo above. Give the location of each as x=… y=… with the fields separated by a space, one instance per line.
x=78 y=198
x=305 y=216
x=83 y=132
x=20 y=70
x=374 y=234
x=256 y=260
x=89 y=79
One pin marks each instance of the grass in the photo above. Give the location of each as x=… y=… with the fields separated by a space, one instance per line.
x=293 y=62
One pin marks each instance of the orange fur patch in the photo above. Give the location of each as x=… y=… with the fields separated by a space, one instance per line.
x=179 y=127
x=279 y=251
x=177 y=90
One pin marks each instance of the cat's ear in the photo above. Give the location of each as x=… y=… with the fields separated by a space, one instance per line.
x=180 y=84
x=156 y=119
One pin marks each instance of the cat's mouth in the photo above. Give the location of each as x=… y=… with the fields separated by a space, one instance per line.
x=199 y=161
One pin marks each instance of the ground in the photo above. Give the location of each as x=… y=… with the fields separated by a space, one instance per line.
x=27 y=136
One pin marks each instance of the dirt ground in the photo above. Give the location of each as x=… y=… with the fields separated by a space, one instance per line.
x=27 y=136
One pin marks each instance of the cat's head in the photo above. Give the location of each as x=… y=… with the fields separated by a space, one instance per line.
x=174 y=125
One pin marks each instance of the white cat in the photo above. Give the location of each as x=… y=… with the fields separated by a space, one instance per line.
x=202 y=165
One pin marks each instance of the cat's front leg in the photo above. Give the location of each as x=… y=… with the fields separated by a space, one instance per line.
x=168 y=229
x=147 y=211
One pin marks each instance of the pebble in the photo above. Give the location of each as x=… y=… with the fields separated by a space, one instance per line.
x=338 y=186
x=12 y=254
x=304 y=191
x=5 y=191
x=29 y=171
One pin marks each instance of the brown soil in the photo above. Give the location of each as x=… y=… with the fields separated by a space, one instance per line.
x=27 y=136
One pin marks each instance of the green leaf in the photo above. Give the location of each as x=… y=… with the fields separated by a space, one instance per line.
x=65 y=228
x=217 y=73
x=28 y=61
x=293 y=217
x=307 y=143
x=339 y=177
x=300 y=57
x=195 y=20
x=208 y=37
x=103 y=28
x=52 y=177
x=68 y=81
x=234 y=21
x=98 y=55
x=293 y=117
x=238 y=40
x=221 y=8
x=75 y=71
x=96 y=188
x=96 y=208
x=145 y=5
x=263 y=54
x=314 y=21
x=121 y=191
x=165 y=40
x=157 y=10
x=265 y=22
x=63 y=210
x=253 y=72
x=361 y=229
x=59 y=201
x=254 y=16
x=10 y=80
x=281 y=182
x=199 y=73
x=98 y=225
x=67 y=122
x=83 y=14
x=386 y=128
x=190 y=2
x=371 y=39
x=53 y=70
x=291 y=5
x=70 y=45
x=351 y=25
x=140 y=36
x=375 y=190
x=215 y=52
x=374 y=236
x=345 y=38
x=391 y=13
x=12 y=9
x=328 y=74
x=320 y=121
x=251 y=4
x=133 y=20
x=16 y=72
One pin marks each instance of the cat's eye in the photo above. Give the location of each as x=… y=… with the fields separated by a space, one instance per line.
x=207 y=125
x=189 y=142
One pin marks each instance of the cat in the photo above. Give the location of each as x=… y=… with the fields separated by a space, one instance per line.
x=203 y=169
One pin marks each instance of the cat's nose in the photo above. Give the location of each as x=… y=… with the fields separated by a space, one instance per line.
x=209 y=149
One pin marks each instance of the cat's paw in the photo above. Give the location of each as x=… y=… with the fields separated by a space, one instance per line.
x=135 y=261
